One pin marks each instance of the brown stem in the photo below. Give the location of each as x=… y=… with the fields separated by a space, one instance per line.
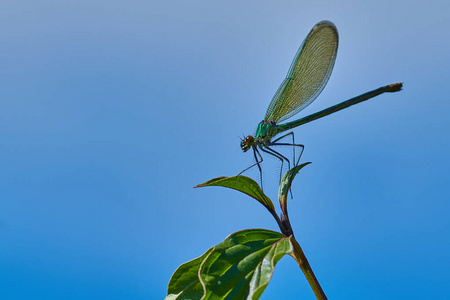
x=300 y=257
x=279 y=222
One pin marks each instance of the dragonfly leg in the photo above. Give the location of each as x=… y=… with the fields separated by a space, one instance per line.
x=257 y=163
x=255 y=150
x=293 y=144
x=279 y=156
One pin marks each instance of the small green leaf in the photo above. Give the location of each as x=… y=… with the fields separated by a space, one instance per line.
x=286 y=182
x=184 y=283
x=243 y=184
x=241 y=266
x=238 y=268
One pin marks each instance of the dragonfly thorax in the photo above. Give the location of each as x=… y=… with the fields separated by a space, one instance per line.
x=265 y=132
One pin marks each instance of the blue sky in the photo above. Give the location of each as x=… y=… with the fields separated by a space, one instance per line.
x=111 y=111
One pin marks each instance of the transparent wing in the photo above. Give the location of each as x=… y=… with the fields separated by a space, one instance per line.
x=308 y=74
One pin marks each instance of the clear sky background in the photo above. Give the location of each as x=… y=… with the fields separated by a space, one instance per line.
x=111 y=111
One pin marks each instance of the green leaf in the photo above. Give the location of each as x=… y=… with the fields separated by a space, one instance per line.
x=238 y=268
x=243 y=184
x=286 y=182
x=184 y=283
x=241 y=266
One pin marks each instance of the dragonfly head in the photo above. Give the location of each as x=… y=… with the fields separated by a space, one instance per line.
x=247 y=143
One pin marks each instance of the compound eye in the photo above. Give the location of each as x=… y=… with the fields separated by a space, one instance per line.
x=247 y=143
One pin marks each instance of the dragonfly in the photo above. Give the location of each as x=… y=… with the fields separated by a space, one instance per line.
x=307 y=76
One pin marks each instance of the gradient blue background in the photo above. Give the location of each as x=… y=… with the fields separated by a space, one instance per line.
x=111 y=111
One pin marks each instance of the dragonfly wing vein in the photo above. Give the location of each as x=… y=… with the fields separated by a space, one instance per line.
x=308 y=73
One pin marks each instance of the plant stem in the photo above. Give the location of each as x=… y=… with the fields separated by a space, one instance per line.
x=277 y=219
x=303 y=263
